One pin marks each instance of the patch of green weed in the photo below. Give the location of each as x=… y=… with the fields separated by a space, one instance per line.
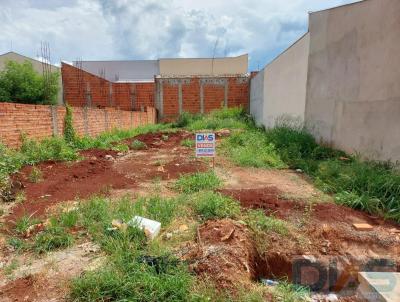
x=188 y=143
x=54 y=237
x=138 y=145
x=192 y=183
x=17 y=243
x=258 y=221
x=22 y=224
x=288 y=292
x=35 y=175
x=213 y=205
x=252 y=149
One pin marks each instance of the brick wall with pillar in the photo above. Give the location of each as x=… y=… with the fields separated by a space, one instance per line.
x=199 y=94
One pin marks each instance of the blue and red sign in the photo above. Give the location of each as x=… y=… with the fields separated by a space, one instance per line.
x=205 y=144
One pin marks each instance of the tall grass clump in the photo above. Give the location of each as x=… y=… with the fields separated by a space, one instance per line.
x=259 y=222
x=54 y=148
x=362 y=184
x=107 y=140
x=366 y=185
x=213 y=205
x=133 y=281
x=288 y=292
x=192 y=183
x=130 y=272
x=297 y=147
x=252 y=149
x=54 y=237
x=230 y=118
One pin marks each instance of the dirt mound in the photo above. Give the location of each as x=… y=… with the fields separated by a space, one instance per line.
x=226 y=253
x=163 y=159
x=63 y=181
x=23 y=289
x=161 y=140
x=321 y=233
x=144 y=167
x=266 y=199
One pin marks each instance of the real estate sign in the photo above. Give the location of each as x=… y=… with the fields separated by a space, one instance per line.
x=205 y=144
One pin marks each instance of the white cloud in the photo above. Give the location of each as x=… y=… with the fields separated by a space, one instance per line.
x=129 y=29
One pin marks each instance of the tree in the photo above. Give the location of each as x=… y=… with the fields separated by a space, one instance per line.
x=20 y=83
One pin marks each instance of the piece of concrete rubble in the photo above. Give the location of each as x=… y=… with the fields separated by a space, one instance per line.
x=183 y=228
x=150 y=227
x=168 y=236
x=363 y=226
x=223 y=132
x=108 y=157
x=116 y=223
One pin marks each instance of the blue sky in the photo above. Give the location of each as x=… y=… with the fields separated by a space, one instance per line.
x=149 y=29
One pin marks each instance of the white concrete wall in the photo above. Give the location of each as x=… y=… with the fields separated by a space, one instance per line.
x=283 y=88
x=353 y=89
x=257 y=98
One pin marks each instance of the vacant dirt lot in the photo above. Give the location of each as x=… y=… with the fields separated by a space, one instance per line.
x=222 y=249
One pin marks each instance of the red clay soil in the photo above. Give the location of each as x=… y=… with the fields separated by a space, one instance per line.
x=144 y=169
x=327 y=233
x=225 y=252
x=269 y=200
x=23 y=289
x=144 y=166
x=63 y=181
x=162 y=140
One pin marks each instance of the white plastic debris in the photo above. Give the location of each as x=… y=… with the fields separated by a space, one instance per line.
x=150 y=227
x=269 y=282
x=332 y=298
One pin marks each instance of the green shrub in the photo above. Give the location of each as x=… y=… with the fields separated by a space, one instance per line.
x=138 y=145
x=212 y=205
x=54 y=148
x=20 y=83
x=191 y=183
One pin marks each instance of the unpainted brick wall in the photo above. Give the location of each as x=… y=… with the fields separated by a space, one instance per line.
x=41 y=121
x=81 y=88
x=199 y=95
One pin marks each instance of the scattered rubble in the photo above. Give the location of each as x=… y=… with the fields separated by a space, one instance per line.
x=228 y=262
